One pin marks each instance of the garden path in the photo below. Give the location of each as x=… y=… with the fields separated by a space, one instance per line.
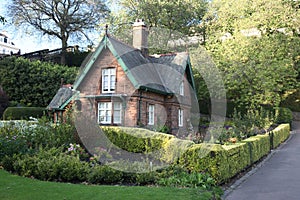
x=275 y=178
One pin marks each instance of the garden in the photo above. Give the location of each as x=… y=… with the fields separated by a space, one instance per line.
x=49 y=152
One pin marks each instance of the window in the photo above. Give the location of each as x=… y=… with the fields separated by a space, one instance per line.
x=117 y=112
x=181 y=88
x=180 y=117
x=105 y=113
x=108 y=80
x=151 y=115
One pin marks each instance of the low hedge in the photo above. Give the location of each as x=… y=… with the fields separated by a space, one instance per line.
x=225 y=161
x=139 y=140
x=259 y=146
x=279 y=135
x=18 y=113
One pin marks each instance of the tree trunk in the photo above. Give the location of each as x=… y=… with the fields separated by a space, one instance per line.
x=64 y=50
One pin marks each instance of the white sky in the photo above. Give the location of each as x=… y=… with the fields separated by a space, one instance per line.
x=28 y=43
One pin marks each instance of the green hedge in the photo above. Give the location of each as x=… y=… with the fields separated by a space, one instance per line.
x=279 y=135
x=18 y=113
x=283 y=115
x=139 y=140
x=259 y=146
x=225 y=161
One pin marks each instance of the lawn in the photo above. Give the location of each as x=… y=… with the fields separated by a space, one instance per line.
x=16 y=187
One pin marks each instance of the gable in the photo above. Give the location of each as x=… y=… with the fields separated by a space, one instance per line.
x=149 y=73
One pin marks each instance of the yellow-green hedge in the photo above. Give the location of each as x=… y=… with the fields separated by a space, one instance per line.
x=279 y=135
x=225 y=161
x=221 y=161
x=137 y=140
x=259 y=146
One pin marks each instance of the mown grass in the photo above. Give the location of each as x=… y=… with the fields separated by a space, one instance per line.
x=13 y=187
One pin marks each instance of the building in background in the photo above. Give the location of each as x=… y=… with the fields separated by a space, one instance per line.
x=7 y=47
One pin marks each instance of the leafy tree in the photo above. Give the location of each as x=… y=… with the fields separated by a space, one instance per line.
x=167 y=20
x=33 y=83
x=256 y=45
x=60 y=19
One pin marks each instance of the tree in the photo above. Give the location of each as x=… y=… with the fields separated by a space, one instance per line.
x=61 y=19
x=174 y=18
x=4 y=101
x=256 y=46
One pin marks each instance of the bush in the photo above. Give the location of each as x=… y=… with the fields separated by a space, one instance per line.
x=50 y=165
x=292 y=101
x=102 y=174
x=283 y=115
x=18 y=113
x=4 y=102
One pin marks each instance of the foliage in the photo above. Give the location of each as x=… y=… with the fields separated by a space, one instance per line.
x=4 y=102
x=25 y=137
x=279 y=135
x=256 y=47
x=51 y=165
x=283 y=115
x=136 y=140
x=292 y=100
x=167 y=20
x=223 y=162
x=33 y=83
x=64 y=19
x=17 y=113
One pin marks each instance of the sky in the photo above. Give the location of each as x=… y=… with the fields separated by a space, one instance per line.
x=29 y=43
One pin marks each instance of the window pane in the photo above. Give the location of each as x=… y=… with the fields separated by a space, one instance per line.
x=151 y=114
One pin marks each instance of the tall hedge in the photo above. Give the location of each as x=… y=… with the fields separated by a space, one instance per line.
x=17 y=113
x=33 y=83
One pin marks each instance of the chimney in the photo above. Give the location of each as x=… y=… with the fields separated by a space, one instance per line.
x=140 y=36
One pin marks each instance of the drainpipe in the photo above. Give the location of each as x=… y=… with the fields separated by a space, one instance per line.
x=139 y=108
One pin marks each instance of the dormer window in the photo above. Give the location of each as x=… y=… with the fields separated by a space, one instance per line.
x=108 y=80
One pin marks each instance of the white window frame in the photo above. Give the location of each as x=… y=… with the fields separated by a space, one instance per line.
x=180 y=117
x=117 y=109
x=104 y=113
x=151 y=110
x=181 y=88
x=108 y=80
x=107 y=114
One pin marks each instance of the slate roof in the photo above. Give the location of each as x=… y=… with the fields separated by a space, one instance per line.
x=60 y=98
x=161 y=73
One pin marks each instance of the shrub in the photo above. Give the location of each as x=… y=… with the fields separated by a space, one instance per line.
x=102 y=174
x=51 y=165
x=17 y=113
x=292 y=101
x=283 y=115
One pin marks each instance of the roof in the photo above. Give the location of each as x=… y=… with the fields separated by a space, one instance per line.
x=62 y=97
x=152 y=73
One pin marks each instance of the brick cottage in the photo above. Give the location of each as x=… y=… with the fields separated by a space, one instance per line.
x=123 y=85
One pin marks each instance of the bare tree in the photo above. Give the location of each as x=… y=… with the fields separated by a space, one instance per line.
x=59 y=18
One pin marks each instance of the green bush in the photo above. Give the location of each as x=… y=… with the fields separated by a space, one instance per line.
x=102 y=174
x=292 y=101
x=283 y=115
x=18 y=113
x=51 y=165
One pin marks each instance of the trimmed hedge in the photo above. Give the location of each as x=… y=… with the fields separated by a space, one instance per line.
x=279 y=135
x=139 y=140
x=259 y=146
x=18 y=113
x=225 y=161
